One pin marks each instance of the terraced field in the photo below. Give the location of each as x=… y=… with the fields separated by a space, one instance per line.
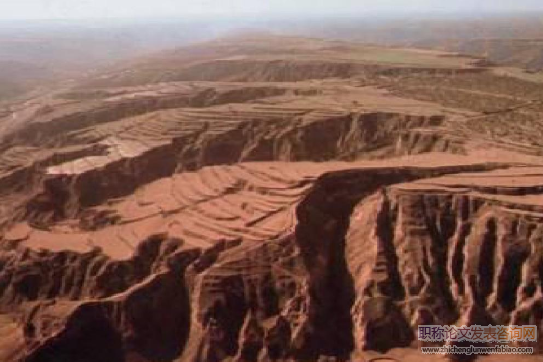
x=266 y=198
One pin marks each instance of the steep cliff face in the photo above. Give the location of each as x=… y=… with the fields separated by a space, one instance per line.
x=445 y=251
x=119 y=166
x=29 y=275
x=81 y=307
x=374 y=253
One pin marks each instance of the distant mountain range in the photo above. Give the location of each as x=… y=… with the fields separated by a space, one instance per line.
x=33 y=52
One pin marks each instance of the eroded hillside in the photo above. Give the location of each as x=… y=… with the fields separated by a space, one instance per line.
x=260 y=199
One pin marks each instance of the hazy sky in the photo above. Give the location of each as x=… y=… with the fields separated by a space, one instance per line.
x=74 y=9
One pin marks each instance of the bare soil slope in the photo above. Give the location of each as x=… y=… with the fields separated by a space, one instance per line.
x=262 y=198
